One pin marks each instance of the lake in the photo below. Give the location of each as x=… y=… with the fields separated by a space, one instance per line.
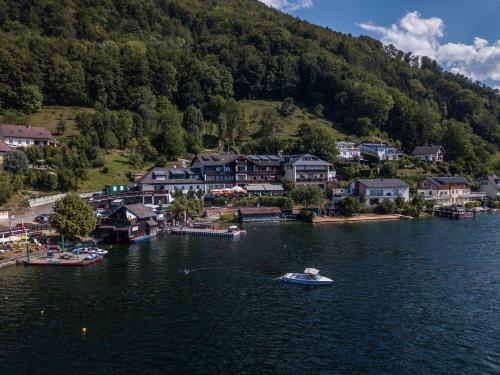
x=410 y=297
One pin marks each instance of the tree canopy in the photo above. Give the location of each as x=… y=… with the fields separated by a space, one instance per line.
x=73 y=217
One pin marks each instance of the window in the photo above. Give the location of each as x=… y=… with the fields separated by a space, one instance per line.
x=376 y=192
x=11 y=140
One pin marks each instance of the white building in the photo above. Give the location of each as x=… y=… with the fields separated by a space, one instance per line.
x=382 y=150
x=490 y=185
x=445 y=191
x=432 y=153
x=376 y=191
x=348 y=150
x=25 y=135
x=308 y=170
x=169 y=180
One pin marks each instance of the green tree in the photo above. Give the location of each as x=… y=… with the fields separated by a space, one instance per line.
x=73 y=217
x=16 y=161
x=193 y=122
x=5 y=188
x=287 y=107
x=307 y=195
x=29 y=98
x=61 y=126
x=349 y=205
x=269 y=123
x=318 y=140
x=387 y=206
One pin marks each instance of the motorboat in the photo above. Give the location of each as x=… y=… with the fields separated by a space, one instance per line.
x=310 y=276
x=89 y=250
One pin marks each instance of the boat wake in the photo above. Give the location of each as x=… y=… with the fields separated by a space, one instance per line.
x=187 y=272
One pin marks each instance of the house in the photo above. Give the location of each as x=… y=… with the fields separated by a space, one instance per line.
x=130 y=222
x=217 y=170
x=308 y=170
x=258 y=190
x=432 y=153
x=169 y=180
x=348 y=151
x=490 y=185
x=25 y=135
x=446 y=191
x=382 y=150
x=252 y=169
x=259 y=214
x=376 y=191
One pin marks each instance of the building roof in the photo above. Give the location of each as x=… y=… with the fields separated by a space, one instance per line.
x=305 y=159
x=439 y=181
x=140 y=210
x=4 y=147
x=264 y=160
x=24 y=131
x=264 y=187
x=215 y=159
x=427 y=150
x=259 y=210
x=383 y=183
x=172 y=176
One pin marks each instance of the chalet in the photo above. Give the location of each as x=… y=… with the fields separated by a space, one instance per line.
x=217 y=170
x=445 y=191
x=25 y=135
x=260 y=214
x=252 y=169
x=382 y=150
x=376 y=191
x=169 y=180
x=130 y=222
x=308 y=170
x=432 y=153
x=348 y=151
x=490 y=185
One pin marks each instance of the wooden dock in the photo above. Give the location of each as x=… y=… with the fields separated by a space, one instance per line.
x=356 y=218
x=455 y=214
x=63 y=260
x=206 y=232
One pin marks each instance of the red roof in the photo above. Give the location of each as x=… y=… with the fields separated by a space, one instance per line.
x=259 y=210
x=4 y=147
x=24 y=131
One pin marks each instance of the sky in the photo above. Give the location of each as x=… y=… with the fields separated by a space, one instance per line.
x=462 y=35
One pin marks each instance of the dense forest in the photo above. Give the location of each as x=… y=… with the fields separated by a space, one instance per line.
x=167 y=77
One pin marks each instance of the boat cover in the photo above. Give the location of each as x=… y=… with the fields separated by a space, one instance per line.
x=312 y=271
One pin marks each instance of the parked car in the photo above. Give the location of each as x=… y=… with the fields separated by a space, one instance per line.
x=42 y=219
x=102 y=212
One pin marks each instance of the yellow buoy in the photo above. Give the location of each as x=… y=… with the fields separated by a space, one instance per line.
x=84 y=331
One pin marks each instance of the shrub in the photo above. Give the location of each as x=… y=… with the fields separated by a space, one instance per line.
x=387 y=207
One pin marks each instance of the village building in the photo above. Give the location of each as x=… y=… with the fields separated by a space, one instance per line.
x=348 y=151
x=169 y=180
x=308 y=170
x=25 y=135
x=251 y=169
x=260 y=214
x=130 y=222
x=382 y=150
x=217 y=170
x=375 y=191
x=445 y=191
x=432 y=153
x=490 y=185
x=259 y=190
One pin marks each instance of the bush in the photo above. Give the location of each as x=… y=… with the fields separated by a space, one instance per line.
x=387 y=207
x=349 y=206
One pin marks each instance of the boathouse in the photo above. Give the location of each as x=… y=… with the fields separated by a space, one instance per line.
x=260 y=214
x=131 y=222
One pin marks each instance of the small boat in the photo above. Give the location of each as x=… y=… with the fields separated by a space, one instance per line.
x=310 y=276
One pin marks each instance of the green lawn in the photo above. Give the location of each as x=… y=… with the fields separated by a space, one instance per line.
x=117 y=173
x=48 y=117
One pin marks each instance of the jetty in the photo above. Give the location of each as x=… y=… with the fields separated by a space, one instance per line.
x=207 y=232
x=356 y=218
x=64 y=260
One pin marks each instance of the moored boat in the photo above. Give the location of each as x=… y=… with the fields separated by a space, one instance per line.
x=310 y=276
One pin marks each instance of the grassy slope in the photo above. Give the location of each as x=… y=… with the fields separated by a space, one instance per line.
x=49 y=117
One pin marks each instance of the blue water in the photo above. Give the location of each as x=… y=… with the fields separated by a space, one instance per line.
x=410 y=297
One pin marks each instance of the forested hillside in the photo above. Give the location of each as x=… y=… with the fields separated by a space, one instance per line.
x=167 y=77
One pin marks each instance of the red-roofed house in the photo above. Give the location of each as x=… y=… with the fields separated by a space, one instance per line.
x=25 y=135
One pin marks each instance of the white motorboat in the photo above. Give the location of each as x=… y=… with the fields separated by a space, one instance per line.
x=310 y=276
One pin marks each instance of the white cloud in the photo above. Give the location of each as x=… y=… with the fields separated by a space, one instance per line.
x=289 y=5
x=421 y=36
